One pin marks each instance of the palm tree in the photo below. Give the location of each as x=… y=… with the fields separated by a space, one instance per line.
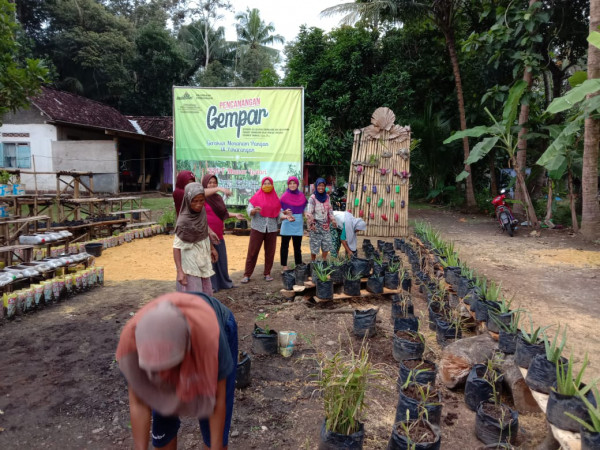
x=443 y=14
x=200 y=50
x=254 y=34
x=590 y=210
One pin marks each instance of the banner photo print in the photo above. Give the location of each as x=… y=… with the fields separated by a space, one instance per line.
x=239 y=134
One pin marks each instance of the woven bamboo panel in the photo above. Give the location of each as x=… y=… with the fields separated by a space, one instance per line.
x=379 y=180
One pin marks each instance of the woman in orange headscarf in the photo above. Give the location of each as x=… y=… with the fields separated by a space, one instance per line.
x=264 y=208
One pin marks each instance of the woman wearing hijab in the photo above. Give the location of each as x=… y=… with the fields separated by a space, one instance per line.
x=192 y=249
x=320 y=215
x=347 y=226
x=179 y=354
x=264 y=208
x=293 y=202
x=216 y=214
x=183 y=179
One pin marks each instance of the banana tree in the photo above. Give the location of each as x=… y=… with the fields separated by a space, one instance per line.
x=562 y=156
x=504 y=134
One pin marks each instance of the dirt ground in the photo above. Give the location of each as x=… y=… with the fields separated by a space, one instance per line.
x=60 y=387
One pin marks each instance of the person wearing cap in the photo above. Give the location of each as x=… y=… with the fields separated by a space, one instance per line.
x=178 y=355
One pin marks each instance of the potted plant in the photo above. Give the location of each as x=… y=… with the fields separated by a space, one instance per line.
x=478 y=387
x=375 y=284
x=324 y=285
x=391 y=279
x=379 y=266
x=402 y=306
x=337 y=269
x=529 y=344
x=288 y=277
x=541 y=374
x=406 y=280
x=405 y=320
x=4 y=180
x=343 y=382
x=565 y=397
x=509 y=333
x=364 y=322
x=243 y=370
x=352 y=284
x=450 y=326
x=408 y=345
x=264 y=339
x=414 y=397
x=408 y=434
x=590 y=431
x=168 y=219
x=495 y=422
x=421 y=371
x=498 y=312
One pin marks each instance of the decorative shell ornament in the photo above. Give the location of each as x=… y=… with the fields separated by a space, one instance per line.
x=359 y=169
x=383 y=118
x=403 y=153
x=383 y=171
x=386 y=155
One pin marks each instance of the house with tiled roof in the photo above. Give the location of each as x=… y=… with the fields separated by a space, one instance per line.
x=62 y=131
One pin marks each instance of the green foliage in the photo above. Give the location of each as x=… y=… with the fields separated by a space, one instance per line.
x=20 y=77
x=168 y=217
x=352 y=276
x=554 y=349
x=322 y=270
x=4 y=177
x=593 y=411
x=263 y=319
x=565 y=383
x=343 y=381
x=513 y=326
x=533 y=335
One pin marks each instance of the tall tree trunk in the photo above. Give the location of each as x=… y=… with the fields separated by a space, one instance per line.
x=548 y=219
x=528 y=205
x=574 y=223
x=493 y=181
x=206 y=43
x=590 y=210
x=522 y=145
x=450 y=44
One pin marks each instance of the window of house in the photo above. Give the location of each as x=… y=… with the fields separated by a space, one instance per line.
x=15 y=155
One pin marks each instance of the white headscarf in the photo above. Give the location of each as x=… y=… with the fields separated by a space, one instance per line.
x=352 y=225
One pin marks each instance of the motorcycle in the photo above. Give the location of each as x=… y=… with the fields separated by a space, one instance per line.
x=504 y=215
x=338 y=199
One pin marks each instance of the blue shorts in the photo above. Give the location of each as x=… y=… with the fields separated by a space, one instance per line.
x=164 y=428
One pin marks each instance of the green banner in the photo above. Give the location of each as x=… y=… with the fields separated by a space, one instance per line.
x=239 y=134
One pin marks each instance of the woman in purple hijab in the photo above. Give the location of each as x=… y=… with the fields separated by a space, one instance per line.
x=293 y=202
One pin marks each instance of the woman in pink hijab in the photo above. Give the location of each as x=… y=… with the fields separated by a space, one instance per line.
x=264 y=208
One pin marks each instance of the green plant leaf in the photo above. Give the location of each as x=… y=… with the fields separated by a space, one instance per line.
x=574 y=96
x=594 y=39
x=555 y=153
x=462 y=176
x=577 y=78
x=471 y=132
x=481 y=149
x=509 y=114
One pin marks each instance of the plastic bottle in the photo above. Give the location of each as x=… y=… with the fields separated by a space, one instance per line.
x=34 y=239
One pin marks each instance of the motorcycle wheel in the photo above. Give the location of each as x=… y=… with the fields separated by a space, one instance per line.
x=511 y=231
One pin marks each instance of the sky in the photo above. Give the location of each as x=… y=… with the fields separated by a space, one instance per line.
x=286 y=16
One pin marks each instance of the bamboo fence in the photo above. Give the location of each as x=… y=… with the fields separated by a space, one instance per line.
x=379 y=182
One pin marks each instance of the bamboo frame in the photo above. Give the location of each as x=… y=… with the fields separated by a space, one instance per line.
x=388 y=138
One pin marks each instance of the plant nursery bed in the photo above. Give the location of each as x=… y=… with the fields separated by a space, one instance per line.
x=566 y=439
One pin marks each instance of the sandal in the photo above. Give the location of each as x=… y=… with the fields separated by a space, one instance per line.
x=245 y=280
x=268 y=278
